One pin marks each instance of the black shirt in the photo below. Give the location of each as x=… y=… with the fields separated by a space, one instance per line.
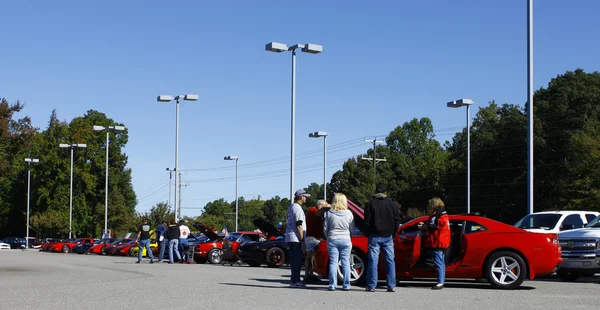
x=144 y=230
x=382 y=218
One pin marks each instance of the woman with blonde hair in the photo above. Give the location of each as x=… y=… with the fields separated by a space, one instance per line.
x=437 y=237
x=338 y=225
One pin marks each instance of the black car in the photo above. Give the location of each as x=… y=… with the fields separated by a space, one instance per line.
x=16 y=242
x=274 y=252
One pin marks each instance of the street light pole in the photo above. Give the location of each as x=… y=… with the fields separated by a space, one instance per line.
x=164 y=98
x=107 y=128
x=307 y=48
x=236 y=158
x=72 y=147
x=457 y=104
x=29 y=161
x=323 y=134
x=170 y=182
x=530 y=106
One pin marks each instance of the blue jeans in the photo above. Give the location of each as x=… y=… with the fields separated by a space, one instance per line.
x=387 y=244
x=145 y=244
x=182 y=243
x=296 y=260
x=339 y=248
x=173 y=244
x=439 y=260
x=161 y=252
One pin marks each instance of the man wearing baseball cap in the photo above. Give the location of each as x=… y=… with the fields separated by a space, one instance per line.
x=294 y=234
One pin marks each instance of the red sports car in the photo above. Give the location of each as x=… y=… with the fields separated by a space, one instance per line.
x=210 y=249
x=68 y=245
x=232 y=243
x=480 y=248
x=99 y=247
x=48 y=243
x=109 y=248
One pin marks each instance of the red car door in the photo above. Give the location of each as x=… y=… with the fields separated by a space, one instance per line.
x=407 y=247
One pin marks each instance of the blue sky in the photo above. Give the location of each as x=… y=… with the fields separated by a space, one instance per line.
x=384 y=62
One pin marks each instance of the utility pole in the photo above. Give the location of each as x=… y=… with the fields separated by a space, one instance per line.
x=180 y=186
x=375 y=160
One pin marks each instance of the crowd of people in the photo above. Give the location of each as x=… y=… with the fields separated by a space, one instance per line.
x=175 y=234
x=335 y=225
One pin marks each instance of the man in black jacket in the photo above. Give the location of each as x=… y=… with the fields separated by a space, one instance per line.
x=173 y=233
x=382 y=219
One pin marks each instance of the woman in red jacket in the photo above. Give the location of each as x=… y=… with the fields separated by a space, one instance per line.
x=437 y=237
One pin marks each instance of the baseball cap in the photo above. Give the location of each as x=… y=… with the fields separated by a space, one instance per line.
x=301 y=193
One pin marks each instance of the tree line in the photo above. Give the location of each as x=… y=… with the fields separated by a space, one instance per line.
x=418 y=167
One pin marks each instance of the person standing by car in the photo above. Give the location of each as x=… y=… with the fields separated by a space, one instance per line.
x=382 y=220
x=183 y=242
x=173 y=233
x=161 y=237
x=314 y=234
x=338 y=226
x=294 y=234
x=437 y=237
x=143 y=239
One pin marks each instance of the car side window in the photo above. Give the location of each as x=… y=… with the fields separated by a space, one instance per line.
x=590 y=216
x=473 y=227
x=410 y=229
x=573 y=221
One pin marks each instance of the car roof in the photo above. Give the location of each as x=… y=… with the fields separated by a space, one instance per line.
x=566 y=212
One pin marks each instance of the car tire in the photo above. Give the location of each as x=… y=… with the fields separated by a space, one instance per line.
x=568 y=276
x=275 y=257
x=130 y=252
x=65 y=249
x=214 y=256
x=505 y=270
x=252 y=263
x=358 y=268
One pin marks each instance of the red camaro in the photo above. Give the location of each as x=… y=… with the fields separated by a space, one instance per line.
x=480 y=248
x=210 y=249
x=68 y=245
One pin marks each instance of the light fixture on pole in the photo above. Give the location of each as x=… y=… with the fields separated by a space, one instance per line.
x=29 y=161
x=105 y=234
x=307 y=48
x=319 y=134
x=71 y=146
x=236 y=158
x=374 y=160
x=457 y=104
x=163 y=98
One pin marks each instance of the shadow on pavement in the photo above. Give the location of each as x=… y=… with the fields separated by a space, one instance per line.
x=283 y=285
x=455 y=284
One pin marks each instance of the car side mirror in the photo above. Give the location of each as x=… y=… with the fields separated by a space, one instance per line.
x=566 y=227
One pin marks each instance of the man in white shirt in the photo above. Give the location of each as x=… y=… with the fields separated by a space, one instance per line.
x=295 y=230
x=184 y=232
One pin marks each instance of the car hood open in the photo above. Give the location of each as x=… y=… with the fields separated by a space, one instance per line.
x=266 y=228
x=212 y=236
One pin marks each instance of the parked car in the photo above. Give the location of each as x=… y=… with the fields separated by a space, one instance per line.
x=210 y=246
x=67 y=246
x=15 y=242
x=580 y=252
x=274 y=252
x=232 y=243
x=48 y=242
x=553 y=222
x=4 y=246
x=108 y=249
x=480 y=248
x=85 y=248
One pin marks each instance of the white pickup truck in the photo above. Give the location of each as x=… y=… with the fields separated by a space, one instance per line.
x=580 y=252
x=553 y=222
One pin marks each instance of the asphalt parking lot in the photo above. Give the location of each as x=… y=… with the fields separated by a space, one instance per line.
x=36 y=280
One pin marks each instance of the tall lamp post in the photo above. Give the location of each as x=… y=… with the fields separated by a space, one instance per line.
x=107 y=129
x=163 y=98
x=530 y=135
x=171 y=170
x=29 y=161
x=307 y=48
x=319 y=134
x=71 y=146
x=457 y=104
x=236 y=158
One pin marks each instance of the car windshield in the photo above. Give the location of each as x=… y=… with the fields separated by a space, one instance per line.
x=594 y=223
x=233 y=237
x=539 y=221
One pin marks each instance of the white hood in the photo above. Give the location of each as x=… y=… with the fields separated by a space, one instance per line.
x=581 y=233
x=541 y=231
